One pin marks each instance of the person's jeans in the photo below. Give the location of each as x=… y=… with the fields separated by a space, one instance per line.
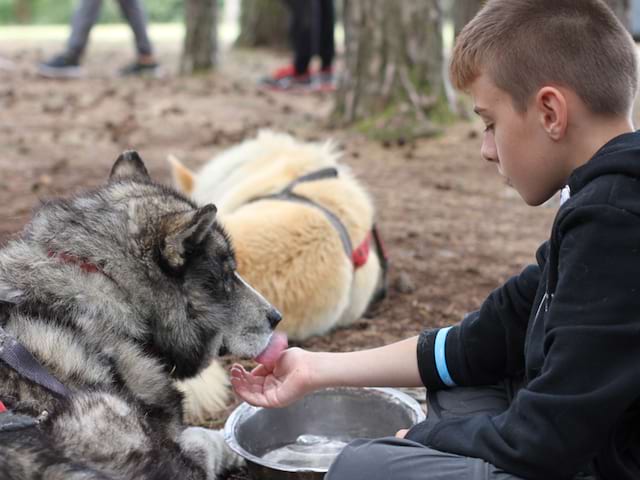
x=86 y=16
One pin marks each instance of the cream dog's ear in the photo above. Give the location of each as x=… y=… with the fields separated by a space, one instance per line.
x=183 y=178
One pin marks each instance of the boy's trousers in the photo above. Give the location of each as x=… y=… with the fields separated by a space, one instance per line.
x=392 y=458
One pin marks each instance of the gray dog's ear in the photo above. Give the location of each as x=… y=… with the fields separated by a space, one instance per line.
x=129 y=165
x=184 y=231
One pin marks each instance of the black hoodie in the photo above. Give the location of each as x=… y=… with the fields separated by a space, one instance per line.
x=570 y=326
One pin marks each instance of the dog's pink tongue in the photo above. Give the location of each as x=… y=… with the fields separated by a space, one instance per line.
x=277 y=344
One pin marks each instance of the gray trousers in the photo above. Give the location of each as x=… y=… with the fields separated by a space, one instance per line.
x=392 y=458
x=86 y=16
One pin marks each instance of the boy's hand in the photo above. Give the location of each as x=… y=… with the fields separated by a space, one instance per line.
x=275 y=385
x=402 y=433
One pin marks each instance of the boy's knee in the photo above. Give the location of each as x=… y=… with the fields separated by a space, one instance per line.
x=361 y=459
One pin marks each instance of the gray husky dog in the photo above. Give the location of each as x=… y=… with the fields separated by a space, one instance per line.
x=114 y=295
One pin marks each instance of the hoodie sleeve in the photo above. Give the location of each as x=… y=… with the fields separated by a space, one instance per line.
x=488 y=344
x=589 y=377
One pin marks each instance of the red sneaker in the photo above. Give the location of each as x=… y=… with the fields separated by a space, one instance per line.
x=286 y=79
x=287 y=71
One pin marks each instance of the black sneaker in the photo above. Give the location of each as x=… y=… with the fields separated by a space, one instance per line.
x=60 y=66
x=139 y=69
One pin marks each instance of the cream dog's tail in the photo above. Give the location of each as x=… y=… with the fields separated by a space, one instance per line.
x=183 y=178
x=205 y=394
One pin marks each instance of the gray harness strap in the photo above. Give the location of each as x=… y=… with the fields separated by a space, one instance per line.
x=287 y=194
x=19 y=359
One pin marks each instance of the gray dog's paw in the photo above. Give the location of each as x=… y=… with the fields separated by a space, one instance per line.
x=208 y=448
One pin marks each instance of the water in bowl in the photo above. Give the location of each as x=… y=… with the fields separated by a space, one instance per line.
x=309 y=451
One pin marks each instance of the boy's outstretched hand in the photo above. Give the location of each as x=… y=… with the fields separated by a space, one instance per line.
x=276 y=385
x=285 y=376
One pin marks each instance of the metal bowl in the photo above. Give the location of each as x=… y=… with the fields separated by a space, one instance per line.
x=301 y=440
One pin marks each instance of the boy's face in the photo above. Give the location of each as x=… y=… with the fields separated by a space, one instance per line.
x=517 y=143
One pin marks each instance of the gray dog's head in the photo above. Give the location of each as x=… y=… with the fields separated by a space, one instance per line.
x=165 y=261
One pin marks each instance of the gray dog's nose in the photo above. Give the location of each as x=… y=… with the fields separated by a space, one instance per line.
x=274 y=317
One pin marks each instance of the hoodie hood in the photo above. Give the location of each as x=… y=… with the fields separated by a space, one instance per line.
x=619 y=156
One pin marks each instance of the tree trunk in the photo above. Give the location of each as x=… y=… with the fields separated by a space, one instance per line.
x=463 y=12
x=200 y=39
x=393 y=80
x=622 y=9
x=23 y=11
x=264 y=23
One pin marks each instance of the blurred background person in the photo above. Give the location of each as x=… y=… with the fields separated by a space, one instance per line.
x=67 y=64
x=311 y=33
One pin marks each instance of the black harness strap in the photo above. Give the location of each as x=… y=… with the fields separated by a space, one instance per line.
x=329 y=172
x=382 y=252
x=18 y=358
x=288 y=194
x=335 y=221
x=13 y=353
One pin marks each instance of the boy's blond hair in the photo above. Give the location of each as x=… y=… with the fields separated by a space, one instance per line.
x=523 y=45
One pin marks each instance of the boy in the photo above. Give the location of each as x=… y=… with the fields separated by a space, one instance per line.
x=542 y=382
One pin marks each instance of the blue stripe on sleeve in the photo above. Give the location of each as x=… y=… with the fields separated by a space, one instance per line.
x=441 y=361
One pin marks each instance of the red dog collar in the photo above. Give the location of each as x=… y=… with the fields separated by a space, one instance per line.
x=84 y=265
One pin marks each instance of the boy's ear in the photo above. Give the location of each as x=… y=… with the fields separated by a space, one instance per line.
x=551 y=104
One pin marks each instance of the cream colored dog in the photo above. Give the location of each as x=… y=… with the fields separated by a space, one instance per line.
x=309 y=250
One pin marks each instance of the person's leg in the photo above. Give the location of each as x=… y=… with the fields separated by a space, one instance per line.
x=300 y=31
x=392 y=458
x=326 y=43
x=135 y=15
x=295 y=77
x=67 y=64
x=145 y=63
x=84 y=18
x=399 y=459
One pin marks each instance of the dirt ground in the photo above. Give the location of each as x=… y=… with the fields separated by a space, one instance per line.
x=453 y=229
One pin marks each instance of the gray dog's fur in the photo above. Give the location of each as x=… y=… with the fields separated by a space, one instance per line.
x=162 y=300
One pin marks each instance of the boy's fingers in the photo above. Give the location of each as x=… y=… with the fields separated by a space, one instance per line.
x=246 y=393
x=238 y=371
x=261 y=370
x=251 y=378
x=244 y=388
